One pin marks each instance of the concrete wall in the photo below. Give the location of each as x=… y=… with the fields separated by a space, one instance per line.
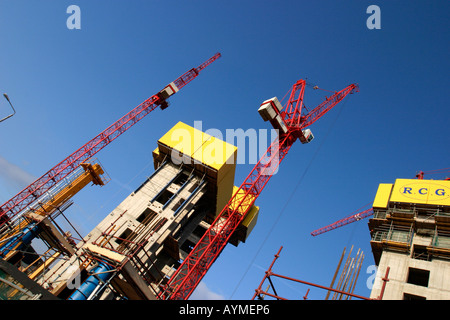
x=399 y=263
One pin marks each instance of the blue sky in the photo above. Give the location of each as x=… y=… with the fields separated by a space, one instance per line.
x=69 y=85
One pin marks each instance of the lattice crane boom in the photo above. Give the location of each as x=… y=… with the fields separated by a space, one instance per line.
x=36 y=189
x=347 y=220
x=325 y=106
x=188 y=275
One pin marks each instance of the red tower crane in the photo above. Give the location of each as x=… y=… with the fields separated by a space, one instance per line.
x=31 y=193
x=292 y=123
x=369 y=212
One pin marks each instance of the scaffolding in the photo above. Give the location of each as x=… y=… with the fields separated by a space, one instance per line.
x=349 y=275
x=392 y=233
x=440 y=243
x=348 y=282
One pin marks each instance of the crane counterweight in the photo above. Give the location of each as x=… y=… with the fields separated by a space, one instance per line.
x=165 y=93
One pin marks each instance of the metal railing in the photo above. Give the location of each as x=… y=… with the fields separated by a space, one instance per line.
x=394 y=233
x=441 y=239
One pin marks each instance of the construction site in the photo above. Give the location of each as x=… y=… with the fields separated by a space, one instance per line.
x=162 y=239
x=409 y=238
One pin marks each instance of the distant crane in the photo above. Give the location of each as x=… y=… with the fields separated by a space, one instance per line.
x=292 y=123
x=38 y=188
x=366 y=213
x=420 y=174
x=347 y=220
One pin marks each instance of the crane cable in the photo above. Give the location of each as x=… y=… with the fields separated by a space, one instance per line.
x=316 y=87
x=311 y=85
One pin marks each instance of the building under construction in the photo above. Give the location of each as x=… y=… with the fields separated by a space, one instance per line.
x=410 y=239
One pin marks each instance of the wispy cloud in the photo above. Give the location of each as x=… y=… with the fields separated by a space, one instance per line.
x=202 y=292
x=13 y=177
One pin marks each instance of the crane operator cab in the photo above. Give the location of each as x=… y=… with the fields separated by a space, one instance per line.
x=307 y=136
x=270 y=110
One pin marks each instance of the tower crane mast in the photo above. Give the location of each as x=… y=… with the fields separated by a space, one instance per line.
x=39 y=187
x=291 y=122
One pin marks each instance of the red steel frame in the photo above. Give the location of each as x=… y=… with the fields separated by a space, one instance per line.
x=270 y=273
x=186 y=278
x=36 y=189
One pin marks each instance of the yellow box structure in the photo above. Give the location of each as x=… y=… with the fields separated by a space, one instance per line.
x=249 y=222
x=214 y=158
x=383 y=195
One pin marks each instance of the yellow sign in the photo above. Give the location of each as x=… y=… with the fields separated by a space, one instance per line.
x=432 y=192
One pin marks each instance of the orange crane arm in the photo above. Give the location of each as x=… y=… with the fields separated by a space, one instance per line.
x=92 y=173
x=50 y=202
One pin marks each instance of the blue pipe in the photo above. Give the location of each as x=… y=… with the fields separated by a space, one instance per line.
x=88 y=286
x=189 y=198
x=176 y=193
x=25 y=237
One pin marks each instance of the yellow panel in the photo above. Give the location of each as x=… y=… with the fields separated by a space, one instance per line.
x=224 y=190
x=199 y=146
x=242 y=209
x=250 y=218
x=156 y=153
x=156 y=158
x=250 y=221
x=432 y=192
x=382 y=197
x=217 y=158
x=214 y=152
